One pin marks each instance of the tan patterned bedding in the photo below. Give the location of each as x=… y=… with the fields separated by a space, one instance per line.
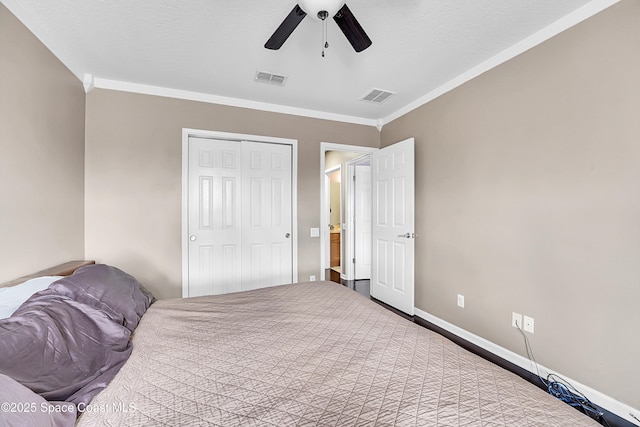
x=310 y=354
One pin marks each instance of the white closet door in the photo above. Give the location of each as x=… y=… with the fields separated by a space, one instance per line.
x=239 y=216
x=214 y=217
x=266 y=215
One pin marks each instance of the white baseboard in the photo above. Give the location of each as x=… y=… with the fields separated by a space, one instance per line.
x=600 y=399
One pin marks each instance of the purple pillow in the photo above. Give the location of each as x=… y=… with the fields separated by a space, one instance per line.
x=62 y=349
x=24 y=408
x=109 y=289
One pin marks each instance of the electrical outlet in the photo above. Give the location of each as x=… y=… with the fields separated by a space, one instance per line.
x=528 y=324
x=312 y=278
x=460 y=300
x=516 y=317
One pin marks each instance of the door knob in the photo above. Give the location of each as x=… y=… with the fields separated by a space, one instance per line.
x=192 y=238
x=287 y=235
x=407 y=235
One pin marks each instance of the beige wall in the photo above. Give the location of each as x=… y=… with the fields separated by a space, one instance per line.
x=134 y=170
x=41 y=155
x=528 y=200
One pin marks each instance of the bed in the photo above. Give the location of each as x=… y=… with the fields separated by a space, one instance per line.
x=311 y=353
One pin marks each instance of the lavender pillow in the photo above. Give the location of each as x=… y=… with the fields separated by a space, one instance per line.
x=108 y=289
x=62 y=349
x=24 y=408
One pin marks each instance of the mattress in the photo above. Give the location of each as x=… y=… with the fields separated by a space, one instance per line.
x=313 y=354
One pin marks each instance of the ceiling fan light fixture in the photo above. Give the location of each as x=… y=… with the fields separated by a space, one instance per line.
x=314 y=7
x=321 y=10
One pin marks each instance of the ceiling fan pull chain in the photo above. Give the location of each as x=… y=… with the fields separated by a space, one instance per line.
x=323 y=17
x=324 y=36
x=324 y=24
x=326 y=43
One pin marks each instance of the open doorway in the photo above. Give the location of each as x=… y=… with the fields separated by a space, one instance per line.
x=336 y=157
x=357 y=216
x=333 y=180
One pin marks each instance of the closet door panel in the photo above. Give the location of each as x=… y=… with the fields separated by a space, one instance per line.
x=214 y=216
x=266 y=211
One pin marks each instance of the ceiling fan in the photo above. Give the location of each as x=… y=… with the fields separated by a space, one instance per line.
x=322 y=9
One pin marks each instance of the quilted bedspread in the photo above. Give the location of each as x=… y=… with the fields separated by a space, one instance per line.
x=309 y=354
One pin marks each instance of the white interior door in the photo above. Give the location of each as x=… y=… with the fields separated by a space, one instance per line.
x=214 y=216
x=266 y=213
x=393 y=228
x=239 y=216
x=362 y=220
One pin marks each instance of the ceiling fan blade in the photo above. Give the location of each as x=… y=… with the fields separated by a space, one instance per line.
x=352 y=29
x=285 y=29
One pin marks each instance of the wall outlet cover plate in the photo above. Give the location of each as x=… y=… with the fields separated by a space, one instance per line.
x=528 y=324
x=516 y=317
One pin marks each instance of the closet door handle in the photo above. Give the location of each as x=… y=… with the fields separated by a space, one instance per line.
x=287 y=235
x=193 y=237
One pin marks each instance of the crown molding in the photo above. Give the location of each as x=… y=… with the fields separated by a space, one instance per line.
x=574 y=18
x=101 y=83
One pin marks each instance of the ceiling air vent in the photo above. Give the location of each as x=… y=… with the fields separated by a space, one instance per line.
x=272 y=79
x=377 y=95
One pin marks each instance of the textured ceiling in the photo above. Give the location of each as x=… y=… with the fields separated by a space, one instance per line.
x=215 y=47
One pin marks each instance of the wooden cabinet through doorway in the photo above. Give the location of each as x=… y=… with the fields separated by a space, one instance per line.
x=335 y=249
